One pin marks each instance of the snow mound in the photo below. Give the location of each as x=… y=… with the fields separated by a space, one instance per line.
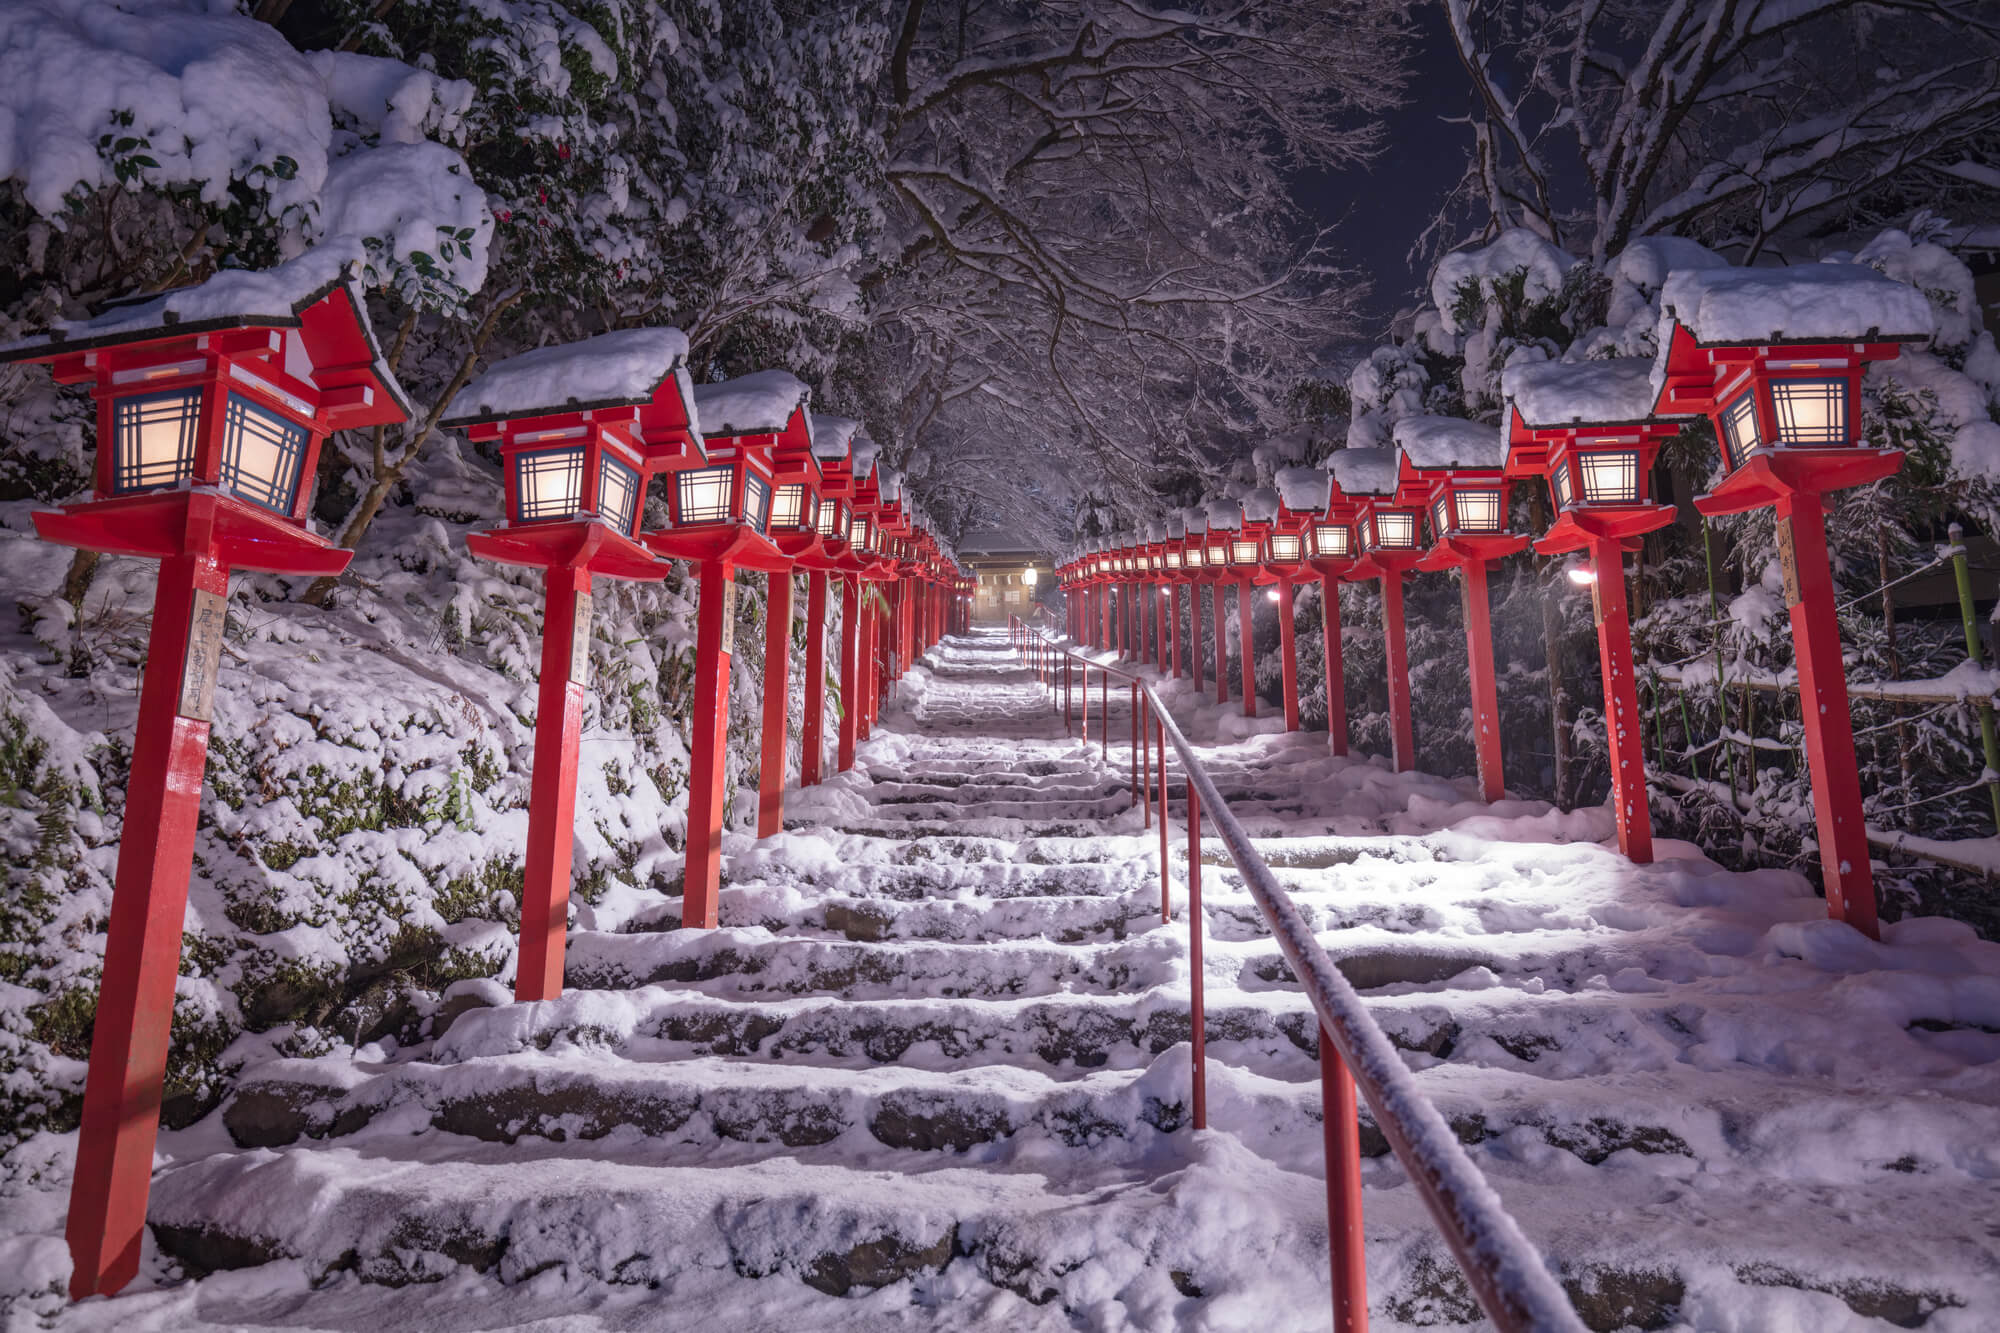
x=1261 y=505
x=1642 y=269
x=618 y=369
x=1195 y=519
x=1516 y=251
x=398 y=103
x=1819 y=302
x=1364 y=471
x=1225 y=515
x=1602 y=393
x=833 y=437
x=758 y=404
x=1305 y=489
x=1447 y=442
x=861 y=456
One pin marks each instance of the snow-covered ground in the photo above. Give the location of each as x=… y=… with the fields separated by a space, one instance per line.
x=933 y=1073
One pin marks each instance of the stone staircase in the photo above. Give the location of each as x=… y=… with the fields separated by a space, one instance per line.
x=933 y=1072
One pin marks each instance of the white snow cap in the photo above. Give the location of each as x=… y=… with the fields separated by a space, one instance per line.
x=1364 y=471
x=1305 y=489
x=861 y=456
x=1195 y=520
x=1176 y=526
x=1806 y=302
x=1224 y=515
x=1156 y=532
x=833 y=437
x=758 y=404
x=616 y=369
x=1595 y=393
x=891 y=485
x=1261 y=505
x=1447 y=442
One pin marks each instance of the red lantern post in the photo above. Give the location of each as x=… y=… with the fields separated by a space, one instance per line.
x=1455 y=471
x=1774 y=358
x=578 y=427
x=212 y=404
x=833 y=438
x=1587 y=428
x=1388 y=535
x=1332 y=549
x=1285 y=563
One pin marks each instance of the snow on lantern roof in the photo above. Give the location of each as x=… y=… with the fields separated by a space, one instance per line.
x=1176 y=526
x=759 y=404
x=623 y=368
x=1156 y=533
x=1195 y=520
x=1306 y=490
x=1224 y=515
x=1803 y=303
x=891 y=485
x=1364 y=471
x=1437 y=443
x=1591 y=393
x=861 y=456
x=1261 y=505
x=833 y=437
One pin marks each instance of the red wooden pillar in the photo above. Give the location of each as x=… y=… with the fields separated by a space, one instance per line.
x=1485 y=691
x=812 y=741
x=1342 y=1131
x=1624 y=727
x=1246 y=609
x=1402 y=730
x=1104 y=631
x=135 y=1002
x=714 y=644
x=850 y=671
x=1158 y=595
x=1336 y=675
x=552 y=787
x=1836 y=785
x=1221 y=648
x=1174 y=629
x=777 y=705
x=1288 y=651
x=1194 y=635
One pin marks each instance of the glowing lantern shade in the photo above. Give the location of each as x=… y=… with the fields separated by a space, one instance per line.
x=212 y=403
x=1588 y=427
x=1774 y=358
x=1458 y=469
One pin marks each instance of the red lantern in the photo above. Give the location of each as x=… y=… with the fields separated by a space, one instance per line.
x=1774 y=358
x=1387 y=538
x=212 y=403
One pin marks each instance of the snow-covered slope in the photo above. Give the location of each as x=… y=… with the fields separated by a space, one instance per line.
x=933 y=1073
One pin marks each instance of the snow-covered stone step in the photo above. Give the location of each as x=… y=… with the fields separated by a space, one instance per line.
x=1065 y=919
x=946 y=822
x=753 y=961
x=745 y=902
x=1068 y=812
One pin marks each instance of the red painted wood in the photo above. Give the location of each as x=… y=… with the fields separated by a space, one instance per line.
x=812 y=743
x=538 y=975
x=709 y=725
x=1625 y=727
x=1221 y=647
x=1194 y=636
x=1246 y=610
x=135 y=1002
x=1197 y=1018
x=850 y=672
x=1403 y=739
x=1485 y=691
x=1343 y=1191
x=1288 y=650
x=777 y=705
x=1336 y=676
x=1836 y=784
x=1174 y=629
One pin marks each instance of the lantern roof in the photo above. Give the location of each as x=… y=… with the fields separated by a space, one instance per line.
x=317 y=294
x=769 y=402
x=1261 y=505
x=833 y=437
x=1156 y=532
x=1436 y=444
x=1224 y=515
x=892 y=486
x=1552 y=394
x=1801 y=303
x=1195 y=519
x=1176 y=525
x=623 y=368
x=1363 y=472
x=1305 y=489
x=861 y=456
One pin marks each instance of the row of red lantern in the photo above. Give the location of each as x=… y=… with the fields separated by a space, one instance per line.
x=1787 y=412
x=213 y=403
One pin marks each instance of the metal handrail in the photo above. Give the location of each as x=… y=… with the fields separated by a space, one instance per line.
x=1503 y=1268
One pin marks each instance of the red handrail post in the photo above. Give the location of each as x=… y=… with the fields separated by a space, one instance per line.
x=1624 y=725
x=1144 y=741
x=1196 y=1023
x=1246 y=610
x=1343 y=1191
x=1166 y=897
x=1104 y=709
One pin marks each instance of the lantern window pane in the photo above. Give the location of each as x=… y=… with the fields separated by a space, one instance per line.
x=1194 y=557
x=1810 y=411
x=1610 y=478
x=1332 y=539
x=1441 y=516
x=1559 y=483
x=1739 y=430
x=262 y=454
x=857 y=534
x=702 y=495
x=756 y=502
x=1173 y=559
x=1243 y=553
x=617 y=493
x=1479 y=511
x=1396 y=531
x=832 y=518
x=788 y=506
x=548 y=483
x=153 y=437
x=1286 y=546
